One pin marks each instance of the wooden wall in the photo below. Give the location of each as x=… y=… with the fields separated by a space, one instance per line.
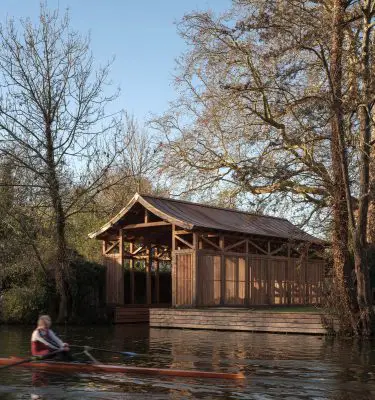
x=209 y=280
x=114 y=279
x=241 y=280
x=184 y=278
x=279 y=280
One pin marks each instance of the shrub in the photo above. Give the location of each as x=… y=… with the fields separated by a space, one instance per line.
x=87 y=302
x=23 y=304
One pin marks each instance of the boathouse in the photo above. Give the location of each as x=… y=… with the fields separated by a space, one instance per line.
x=162 y=252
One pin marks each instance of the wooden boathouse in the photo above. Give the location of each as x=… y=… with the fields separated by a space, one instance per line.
x=163 y=254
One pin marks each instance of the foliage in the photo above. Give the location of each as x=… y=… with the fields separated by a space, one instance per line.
x=87 y=291
x=23 y=304
x=66 y=151
x=54 y=125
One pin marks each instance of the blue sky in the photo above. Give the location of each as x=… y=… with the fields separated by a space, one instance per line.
x=141 y=34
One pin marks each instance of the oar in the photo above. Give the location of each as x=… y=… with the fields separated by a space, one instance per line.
x=34 y=358
x=123 y=353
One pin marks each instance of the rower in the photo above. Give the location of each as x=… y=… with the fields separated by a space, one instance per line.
x=45 y=341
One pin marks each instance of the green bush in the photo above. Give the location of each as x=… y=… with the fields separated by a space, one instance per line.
x=87 y=294
x=23 y=304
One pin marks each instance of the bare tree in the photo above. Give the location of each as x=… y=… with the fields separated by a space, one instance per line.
x=277 y=100
x=54 y=123
x=141 y=155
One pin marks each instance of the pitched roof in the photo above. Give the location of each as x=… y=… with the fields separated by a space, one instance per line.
x=190 y=216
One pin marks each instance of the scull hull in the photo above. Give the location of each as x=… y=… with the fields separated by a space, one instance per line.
x=124 y=369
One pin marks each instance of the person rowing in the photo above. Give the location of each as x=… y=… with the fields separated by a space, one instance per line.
x=44 y=341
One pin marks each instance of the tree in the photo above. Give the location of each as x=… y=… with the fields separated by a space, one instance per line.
x=280 y=98
x=54 y=124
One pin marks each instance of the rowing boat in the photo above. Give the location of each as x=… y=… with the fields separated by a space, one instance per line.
x=124 y=369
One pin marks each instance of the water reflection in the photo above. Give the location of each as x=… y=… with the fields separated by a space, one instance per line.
x=276 y=366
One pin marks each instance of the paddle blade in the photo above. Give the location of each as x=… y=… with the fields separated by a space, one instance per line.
x=129 y=353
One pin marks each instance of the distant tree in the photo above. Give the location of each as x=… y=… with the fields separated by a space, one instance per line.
x=54 y=124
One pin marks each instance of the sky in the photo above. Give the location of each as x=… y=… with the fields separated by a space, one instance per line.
x=142 y=36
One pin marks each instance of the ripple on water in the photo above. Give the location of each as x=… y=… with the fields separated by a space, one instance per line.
x=276 y=366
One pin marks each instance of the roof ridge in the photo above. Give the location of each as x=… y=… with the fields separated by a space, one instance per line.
x=211 y=206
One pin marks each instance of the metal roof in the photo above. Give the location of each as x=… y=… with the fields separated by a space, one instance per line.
x=191 y=216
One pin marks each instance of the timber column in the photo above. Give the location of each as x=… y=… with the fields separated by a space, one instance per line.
x=194 y=272
x=174 y=272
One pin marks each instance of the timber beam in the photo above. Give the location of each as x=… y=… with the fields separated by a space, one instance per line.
x=146 y=225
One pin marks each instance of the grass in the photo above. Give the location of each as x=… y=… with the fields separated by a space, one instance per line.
x=287 y=309
x=273 y=309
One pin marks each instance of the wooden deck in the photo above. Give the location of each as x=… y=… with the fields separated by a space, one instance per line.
x=242 y=320
x=131 y=315
x=134 y=314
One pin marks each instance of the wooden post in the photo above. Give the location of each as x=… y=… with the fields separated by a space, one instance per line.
x=269 y=263
x=146 y=216
x=307 y=297
x=157 y=282
x=174 y=272
x=247 y=275
x=132 y=280
x=120 y=284
x=194 y=282
x=222 y=270
x=148 y=275
x=287 y=278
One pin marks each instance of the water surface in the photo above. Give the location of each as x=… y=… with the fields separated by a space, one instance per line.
x=276 y=366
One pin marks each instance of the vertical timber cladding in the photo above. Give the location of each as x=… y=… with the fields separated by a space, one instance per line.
x=114 y=279
x=184 y=277
x=235 y=280
x=279 y=280
x=209 y=280
x=225 y=278
x=212 y=274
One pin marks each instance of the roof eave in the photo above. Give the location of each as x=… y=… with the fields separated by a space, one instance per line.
x=138 y=198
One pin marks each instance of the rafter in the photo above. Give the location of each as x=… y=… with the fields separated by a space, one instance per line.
x=258 y=247
x=146 y=225
x=113 y=245
x=235 y=245
x=184 y=242
x=211 y=243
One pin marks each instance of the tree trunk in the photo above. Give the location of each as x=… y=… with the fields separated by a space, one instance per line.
x=360 y=246
x=359 y=293
x=341 y=256
x=62 y=263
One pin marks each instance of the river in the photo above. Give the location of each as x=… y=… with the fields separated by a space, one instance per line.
x=276 y=366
